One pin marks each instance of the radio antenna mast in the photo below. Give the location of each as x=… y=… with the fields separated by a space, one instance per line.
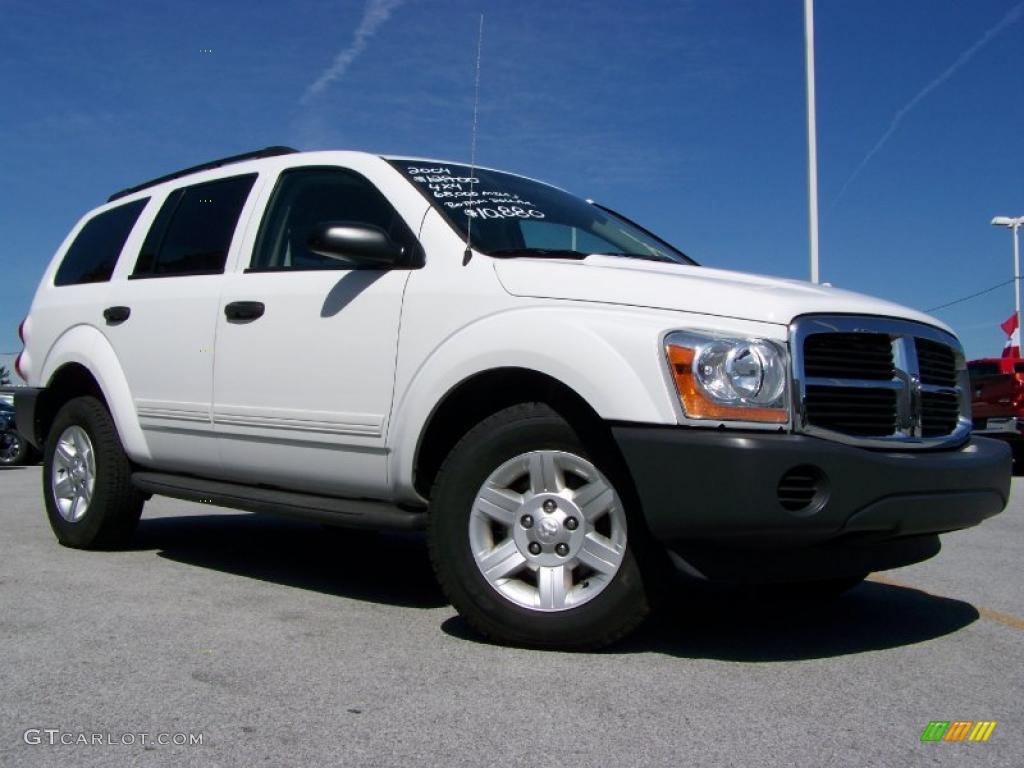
x=472 y=144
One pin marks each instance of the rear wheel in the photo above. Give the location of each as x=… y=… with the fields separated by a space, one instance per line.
x=90 y=501
x=530 y=537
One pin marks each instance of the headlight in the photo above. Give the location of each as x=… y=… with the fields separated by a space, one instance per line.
x=728 y=378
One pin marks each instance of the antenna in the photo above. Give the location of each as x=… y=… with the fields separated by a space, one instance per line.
x=472 y=142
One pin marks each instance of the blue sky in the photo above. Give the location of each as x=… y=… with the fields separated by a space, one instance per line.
x=687 y=116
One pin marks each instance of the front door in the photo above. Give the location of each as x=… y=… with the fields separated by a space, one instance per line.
x=305 y=351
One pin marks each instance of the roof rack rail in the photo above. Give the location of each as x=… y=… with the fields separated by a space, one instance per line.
x=265 y=152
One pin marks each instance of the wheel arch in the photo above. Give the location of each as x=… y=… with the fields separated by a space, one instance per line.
x=485 y=393
x=82 y=362
x=586 y=355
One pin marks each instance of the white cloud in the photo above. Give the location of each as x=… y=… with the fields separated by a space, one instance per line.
x=374 y=15
x=1013 y=16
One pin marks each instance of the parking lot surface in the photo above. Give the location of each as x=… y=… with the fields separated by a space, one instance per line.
x=282 y=643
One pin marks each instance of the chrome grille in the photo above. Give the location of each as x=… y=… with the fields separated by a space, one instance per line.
x=878 y=382
x=852 y=410
x=939 y=413
x=936 y=362
x=848 y=356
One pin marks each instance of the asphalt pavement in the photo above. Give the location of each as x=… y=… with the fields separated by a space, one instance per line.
x=279 y=643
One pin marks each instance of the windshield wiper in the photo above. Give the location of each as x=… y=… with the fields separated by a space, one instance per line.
x=559 y=253
x=641 y=256
x=553 y=253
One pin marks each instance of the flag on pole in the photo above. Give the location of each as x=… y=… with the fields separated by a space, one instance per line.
x=1012 y=347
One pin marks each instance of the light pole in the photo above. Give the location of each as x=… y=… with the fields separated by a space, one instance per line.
x=1014 y=224
x=812 y=138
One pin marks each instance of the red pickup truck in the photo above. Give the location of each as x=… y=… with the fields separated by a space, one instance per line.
x=997 y=399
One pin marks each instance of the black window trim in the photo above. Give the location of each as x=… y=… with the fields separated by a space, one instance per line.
x=196 y=273
x=165 y=224
x=416 y=260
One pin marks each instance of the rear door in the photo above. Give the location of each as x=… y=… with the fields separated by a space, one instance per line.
x=163 y=319
x=304 y=378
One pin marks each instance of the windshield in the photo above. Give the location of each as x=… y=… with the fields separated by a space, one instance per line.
x=509 y=216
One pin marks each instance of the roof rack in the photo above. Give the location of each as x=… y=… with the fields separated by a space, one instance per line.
x=265 y=152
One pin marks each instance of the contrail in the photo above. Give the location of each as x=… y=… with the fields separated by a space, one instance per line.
x=1013 y=16
x=375 y=14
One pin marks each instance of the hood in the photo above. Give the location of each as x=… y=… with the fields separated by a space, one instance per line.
x=701 y=290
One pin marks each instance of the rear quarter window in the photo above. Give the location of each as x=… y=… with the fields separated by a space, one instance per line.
x=93 y=254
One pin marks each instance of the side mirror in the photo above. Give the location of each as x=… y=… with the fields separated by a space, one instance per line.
x=355 y=244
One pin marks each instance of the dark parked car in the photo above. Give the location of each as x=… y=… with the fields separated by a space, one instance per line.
x=13 y=448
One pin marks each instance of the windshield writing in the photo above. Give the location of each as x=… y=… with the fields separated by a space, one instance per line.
x=508 y=216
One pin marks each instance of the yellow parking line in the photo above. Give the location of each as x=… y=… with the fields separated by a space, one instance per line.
x=1002 y=618
x=986 y=613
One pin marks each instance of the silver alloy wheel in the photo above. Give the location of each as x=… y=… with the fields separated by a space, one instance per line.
x=547 y=530
x=73 y=476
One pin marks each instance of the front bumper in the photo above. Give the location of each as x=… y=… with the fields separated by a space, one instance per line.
x=714 y=498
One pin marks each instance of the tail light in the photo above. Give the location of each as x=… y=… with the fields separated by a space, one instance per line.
x=17 y=360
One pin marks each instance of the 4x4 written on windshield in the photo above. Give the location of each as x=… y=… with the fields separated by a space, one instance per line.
x=465 y=192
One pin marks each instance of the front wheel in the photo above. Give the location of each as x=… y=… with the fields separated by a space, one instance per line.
x=530 y=538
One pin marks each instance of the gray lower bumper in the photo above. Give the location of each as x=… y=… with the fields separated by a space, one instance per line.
x=719 y=489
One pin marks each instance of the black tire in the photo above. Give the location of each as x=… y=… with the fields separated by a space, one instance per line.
x=113 y=511
x=14 y=449
x=34 y=455
x=621 y=604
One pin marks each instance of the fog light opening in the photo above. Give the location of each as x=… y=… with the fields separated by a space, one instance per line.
x=803 y=489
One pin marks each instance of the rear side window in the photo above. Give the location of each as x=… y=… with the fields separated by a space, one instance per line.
x=192 y=233
x=93 y=254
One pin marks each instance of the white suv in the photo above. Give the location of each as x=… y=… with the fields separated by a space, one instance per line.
x=569 y=406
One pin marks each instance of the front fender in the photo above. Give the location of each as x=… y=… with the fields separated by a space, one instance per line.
x=86 y=346
x=613 y=364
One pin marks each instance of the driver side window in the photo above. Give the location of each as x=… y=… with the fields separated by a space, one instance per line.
x=307 y=197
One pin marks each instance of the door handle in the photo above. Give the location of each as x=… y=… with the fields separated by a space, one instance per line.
x=244 y=310
x=115 y=315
